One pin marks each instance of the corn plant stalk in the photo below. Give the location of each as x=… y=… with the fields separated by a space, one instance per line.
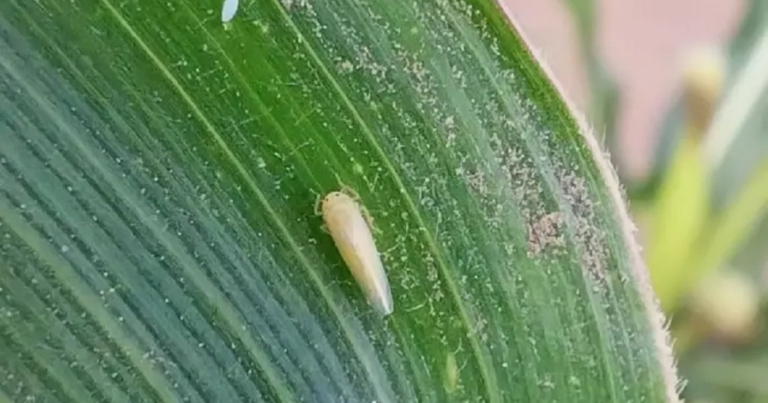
x=158 y=175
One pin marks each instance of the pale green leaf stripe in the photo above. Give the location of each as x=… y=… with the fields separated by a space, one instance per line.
x=3 y=397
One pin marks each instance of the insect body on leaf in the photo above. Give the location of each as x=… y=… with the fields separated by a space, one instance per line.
x=228 y=10
x=350 y=226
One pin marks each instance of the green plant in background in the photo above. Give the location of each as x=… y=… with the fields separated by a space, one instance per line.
x=158 y=177
x=681 y=206
x=704 y=208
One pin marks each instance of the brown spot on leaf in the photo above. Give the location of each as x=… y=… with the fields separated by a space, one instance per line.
x=545 y=233
x=588 y=236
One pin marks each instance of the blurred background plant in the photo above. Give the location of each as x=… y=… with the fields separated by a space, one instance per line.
x=702 y=209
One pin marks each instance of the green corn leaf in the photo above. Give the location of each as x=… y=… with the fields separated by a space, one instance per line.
x=158 y=177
